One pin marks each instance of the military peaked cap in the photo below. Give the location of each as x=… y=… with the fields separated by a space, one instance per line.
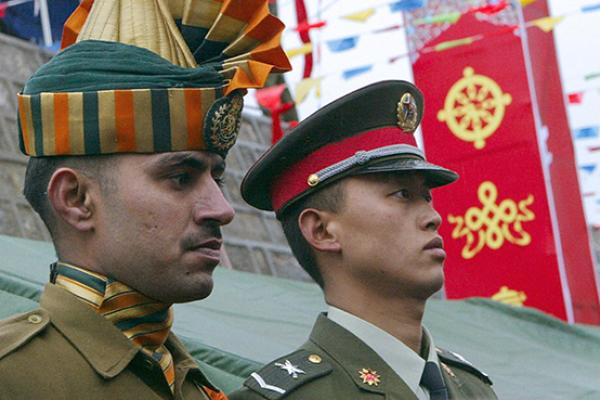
x=367 y=131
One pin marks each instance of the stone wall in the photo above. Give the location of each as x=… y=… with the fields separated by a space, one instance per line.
x=254 y=241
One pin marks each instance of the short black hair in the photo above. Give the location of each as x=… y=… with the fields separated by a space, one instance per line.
x=330 y=198
x=40 y=170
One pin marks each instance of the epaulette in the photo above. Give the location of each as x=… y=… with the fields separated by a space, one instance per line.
x=19 y=329
x=452 y=358
x=284 y=375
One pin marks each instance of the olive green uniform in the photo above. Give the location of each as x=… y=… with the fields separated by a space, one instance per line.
x=331 y=363
x=65 y=350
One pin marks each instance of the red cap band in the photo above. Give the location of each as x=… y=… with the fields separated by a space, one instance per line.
x=293 y=180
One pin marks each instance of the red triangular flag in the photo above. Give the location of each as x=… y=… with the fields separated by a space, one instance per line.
x=3 y=7
x=575 y=98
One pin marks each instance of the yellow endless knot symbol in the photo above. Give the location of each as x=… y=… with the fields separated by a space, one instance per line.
x=474 y=108
x=492 y=224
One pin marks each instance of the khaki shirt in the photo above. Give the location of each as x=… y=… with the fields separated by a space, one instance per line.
x=331 y=363
x=65 y=350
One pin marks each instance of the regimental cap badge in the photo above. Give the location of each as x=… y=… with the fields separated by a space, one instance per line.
x=369 y=377
x=407 y=113
x=222 y=123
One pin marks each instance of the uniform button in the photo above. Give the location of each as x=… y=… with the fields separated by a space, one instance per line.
x=148 y=363
x=34 y=319
x=315 y=359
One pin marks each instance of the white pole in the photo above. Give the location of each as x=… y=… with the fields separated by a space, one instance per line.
x=45 y=18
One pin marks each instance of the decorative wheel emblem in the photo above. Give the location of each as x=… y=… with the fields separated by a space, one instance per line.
x=474 y=108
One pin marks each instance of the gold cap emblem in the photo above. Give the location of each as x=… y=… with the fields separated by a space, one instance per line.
x=407 y=113
x=369 y=376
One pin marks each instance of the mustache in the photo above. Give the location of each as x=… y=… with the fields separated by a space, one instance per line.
x=208 y=231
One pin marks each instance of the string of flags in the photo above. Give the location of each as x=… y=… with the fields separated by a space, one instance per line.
x=546 y=24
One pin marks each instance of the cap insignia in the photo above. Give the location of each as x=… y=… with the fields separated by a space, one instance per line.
x=407 y=113
x=369 y=377
x=290 y=368
x=224 y=118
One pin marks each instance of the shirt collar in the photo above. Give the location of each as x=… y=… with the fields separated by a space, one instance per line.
x=404 y=361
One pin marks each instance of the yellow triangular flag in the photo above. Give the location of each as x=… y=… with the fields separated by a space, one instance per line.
x=547 y=24
x=305 y=86
x=300 y=51
x=525 y=3
x=360 y=16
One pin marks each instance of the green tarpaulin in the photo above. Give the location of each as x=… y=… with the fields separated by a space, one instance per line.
x=251 y=319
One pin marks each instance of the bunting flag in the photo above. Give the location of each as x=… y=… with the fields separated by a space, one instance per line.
x=344 y=44
x=589 y=168
x=406 y=5
x=271 y=99
x=304 y=87
x=300 y=51
x=351 y=73
x=590 y=8
x=589 y=132
x=361 y=16
x=3 y=7
x=489 y=9
x=446 y=18
x=575 y=98
x=306 y=27
x=547 y=24
x=592 y=76
x=525 y=3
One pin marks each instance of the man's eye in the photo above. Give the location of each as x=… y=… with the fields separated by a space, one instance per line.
x=181 y=179
x=403 y=194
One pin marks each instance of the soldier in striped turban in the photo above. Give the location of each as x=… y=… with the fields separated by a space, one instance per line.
x=128 y=127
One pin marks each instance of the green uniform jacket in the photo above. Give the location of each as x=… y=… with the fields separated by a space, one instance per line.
x=331 y=362
x=65 y=350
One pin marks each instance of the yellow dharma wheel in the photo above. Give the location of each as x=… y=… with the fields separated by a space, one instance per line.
x=474 y=108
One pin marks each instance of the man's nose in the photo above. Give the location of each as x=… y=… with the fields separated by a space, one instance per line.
x=212 y=205
x=431 y=219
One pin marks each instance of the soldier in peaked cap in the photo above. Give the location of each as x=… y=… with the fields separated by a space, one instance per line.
x=352 y=191
x=128 y=128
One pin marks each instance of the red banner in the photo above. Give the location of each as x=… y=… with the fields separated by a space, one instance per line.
x=574 y=234
x=499 y=221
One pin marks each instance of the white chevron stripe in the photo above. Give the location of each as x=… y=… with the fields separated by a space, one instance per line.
x=265 y=385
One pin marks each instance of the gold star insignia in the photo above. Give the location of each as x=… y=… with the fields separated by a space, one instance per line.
x=369 y=376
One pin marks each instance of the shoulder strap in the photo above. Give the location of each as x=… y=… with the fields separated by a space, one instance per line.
x=20 y=329
x=284 y=375
x=455 y=359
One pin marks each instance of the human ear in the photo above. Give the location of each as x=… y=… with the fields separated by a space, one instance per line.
x=315 y=226
x=70 y=197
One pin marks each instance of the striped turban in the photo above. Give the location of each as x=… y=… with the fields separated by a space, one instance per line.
x=150 y=76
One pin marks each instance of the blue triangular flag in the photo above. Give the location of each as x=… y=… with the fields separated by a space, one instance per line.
x=338 y=45
x=586 y=133
x=405 y=5
x=351 y=73
x=591 y=7
x=589 y=168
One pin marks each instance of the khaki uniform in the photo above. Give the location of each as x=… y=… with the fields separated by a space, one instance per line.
x=65 y=350
x=331 y=363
